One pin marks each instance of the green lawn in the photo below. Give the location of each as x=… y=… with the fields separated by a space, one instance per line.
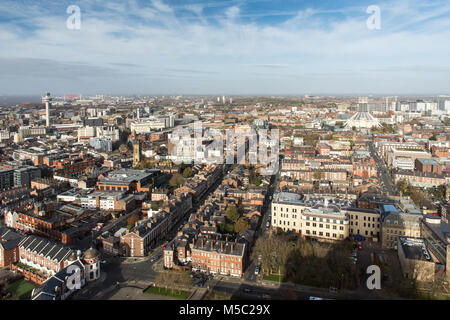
x=178 y=294
x=21 y=289
x=274 y=277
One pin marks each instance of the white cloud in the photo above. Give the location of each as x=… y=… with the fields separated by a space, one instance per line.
x=159 y=5
x=232 y=12
x=308 y=50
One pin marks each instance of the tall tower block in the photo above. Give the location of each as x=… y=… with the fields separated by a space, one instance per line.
x=47 y=99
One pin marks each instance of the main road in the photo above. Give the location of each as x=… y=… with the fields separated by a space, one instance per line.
x=249 y=274
x=383 y=173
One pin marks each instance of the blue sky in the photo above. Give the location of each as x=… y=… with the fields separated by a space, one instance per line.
x=224 y=47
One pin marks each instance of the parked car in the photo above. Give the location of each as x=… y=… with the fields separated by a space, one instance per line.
x=257 y=270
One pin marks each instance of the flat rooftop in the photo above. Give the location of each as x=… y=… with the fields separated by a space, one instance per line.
x=428 y=162
x=287 y=197
x=127 y=175
x=414 y=249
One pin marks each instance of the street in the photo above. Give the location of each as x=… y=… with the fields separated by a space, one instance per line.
x=383 y=174
x=117 y=270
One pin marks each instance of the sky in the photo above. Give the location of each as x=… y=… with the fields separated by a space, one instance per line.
x=224 y=47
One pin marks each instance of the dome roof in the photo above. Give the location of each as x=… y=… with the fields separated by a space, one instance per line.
x=73 y=257
x=90 y=254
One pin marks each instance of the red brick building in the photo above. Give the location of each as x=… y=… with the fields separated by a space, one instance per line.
x=9 y=242
x=219 y=257
x=40 y=258
x=365 y=168
x=427 y=165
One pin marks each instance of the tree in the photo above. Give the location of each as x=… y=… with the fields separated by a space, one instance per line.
x=274 y=251
x=181 y=280
x=310 y=139
x=225 y=227
x=232 y=213
x=257 y=182
x=403 y=187
x=241 y=225
x=252 y=175
x=123 y=148
x=187 y=172
x=318 y=175
x=162 y=280
x=176 y=180
x=174 y=280
x=154 y=206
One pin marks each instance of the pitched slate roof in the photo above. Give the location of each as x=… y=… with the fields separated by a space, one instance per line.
x=10 y=239
x=45 y=248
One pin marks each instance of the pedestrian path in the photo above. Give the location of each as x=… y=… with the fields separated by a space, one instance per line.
x=198 y=294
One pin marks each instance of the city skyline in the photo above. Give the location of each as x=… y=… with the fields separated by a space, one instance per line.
x=225 y=47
